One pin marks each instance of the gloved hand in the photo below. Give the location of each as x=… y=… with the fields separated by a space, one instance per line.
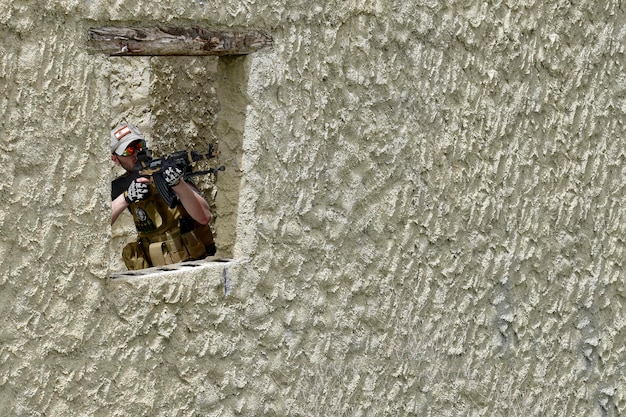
x=136 y=191
x=172 y=175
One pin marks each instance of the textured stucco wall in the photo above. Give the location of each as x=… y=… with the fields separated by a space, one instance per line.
x=430 y=220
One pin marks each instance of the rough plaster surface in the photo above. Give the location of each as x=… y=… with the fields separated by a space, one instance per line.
x=430 y=220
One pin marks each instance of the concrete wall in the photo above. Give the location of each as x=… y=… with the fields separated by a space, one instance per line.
x=429 y=221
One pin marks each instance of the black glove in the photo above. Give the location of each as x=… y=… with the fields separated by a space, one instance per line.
x=136 y=191
x=172 y=175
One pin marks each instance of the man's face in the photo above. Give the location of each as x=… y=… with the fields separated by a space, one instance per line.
x=128 y=159
x=127 y=162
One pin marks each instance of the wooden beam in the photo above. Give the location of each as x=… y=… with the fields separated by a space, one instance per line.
x=175 y=40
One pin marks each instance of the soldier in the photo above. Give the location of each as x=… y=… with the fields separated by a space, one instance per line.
x=166 y=234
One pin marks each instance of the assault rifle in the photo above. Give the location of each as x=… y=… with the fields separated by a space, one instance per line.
x=153 y=167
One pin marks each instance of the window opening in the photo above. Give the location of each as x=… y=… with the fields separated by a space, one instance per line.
x=181 y=101
x=173 y=101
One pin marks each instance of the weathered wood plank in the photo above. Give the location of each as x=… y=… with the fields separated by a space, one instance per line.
x=171 y=40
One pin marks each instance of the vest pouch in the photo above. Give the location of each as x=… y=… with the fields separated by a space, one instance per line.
x=204 y=233
x=156 y=253
x=134 y=257
x=174 y=250
x=194 y=246
x=170 y=251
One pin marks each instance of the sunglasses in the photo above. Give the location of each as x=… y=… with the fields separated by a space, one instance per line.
x=134 y=147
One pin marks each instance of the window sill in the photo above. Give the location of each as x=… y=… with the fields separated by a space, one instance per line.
x=208 y=266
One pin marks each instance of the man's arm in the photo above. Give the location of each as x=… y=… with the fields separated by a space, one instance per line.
x=188 y=194
x=194 y=203
x=117 y=207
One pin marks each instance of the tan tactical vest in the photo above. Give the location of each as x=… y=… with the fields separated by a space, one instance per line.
x=165 y=235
